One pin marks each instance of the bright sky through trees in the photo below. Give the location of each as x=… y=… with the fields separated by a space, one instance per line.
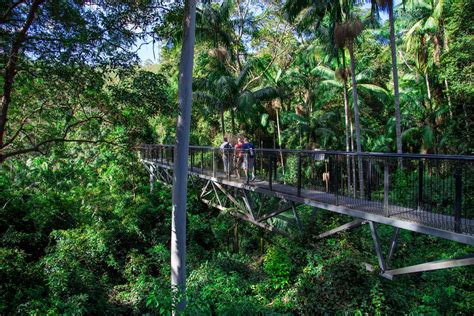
x=151 y=51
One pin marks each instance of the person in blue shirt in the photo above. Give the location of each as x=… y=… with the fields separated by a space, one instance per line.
x=249 y=158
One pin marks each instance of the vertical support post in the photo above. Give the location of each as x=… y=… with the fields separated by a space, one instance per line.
x=336 y=178
x=420 y=184
x=202 y=160
x=228 y=162
x=458 y=198
x=247 y=165
x=275 y=167
x=369 y=180
x=386 y=188
x=329 y=182
x=299 y=175
x=192 y=160
x=213 y=163
x=393 y=243
x=172 y=154
x=161 y=153
x=152 y=178
x=297 y=217
x=378 y=248
x=270 y=171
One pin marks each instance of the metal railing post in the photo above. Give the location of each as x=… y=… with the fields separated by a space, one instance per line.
x=299 y=175
x=275 y=167
x=420 y=184
x=228 y=162
x=336 y=179
x=369 y=180
x=213 y=163
x=202 y=160
x=457 y=198
x=270 y=171
x=386 y=188
x=247 y=167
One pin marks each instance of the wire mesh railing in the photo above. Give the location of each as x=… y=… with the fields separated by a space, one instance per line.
x=435 y=190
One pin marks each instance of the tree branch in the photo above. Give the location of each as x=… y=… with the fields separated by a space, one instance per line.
x=37 y=148
x=10 y=69
x=23 y=122
x=4 y=17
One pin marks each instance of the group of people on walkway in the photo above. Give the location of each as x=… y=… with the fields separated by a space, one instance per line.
x=241 y=156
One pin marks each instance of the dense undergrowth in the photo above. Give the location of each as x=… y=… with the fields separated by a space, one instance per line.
x=81 y=234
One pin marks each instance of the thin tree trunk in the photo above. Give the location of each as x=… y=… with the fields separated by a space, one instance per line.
x=356 y=119
x=10 y=69
x=232 y=117
x=180 y=178
x=428 y=89
x=279 y=141
x=346 y=113
x=236 y=238
x=222 y=122
x=466 y=123
x=354 y=179
x=448 y=95
x=396 y=96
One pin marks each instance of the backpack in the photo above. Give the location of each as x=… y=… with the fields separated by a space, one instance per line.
x=228 y=146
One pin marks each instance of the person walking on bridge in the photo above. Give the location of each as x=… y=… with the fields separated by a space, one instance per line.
x=225 y=148
x=238 y=156
x=249 y=156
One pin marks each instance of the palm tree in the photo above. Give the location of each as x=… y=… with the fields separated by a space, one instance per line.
x=227 y=91
x=427 y=29
x=336 y=79
x=344 y=36
x=387 y=5
x=178 y=223
x=310 y=15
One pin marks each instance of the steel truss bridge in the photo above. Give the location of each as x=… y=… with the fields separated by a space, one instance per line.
x=428 y=194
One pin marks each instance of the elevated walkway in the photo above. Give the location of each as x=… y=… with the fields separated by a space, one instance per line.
x=429 y=194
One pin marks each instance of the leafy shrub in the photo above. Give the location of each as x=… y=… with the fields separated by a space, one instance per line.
x=277 y=265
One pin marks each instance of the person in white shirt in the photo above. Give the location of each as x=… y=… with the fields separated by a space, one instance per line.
x=226 y=148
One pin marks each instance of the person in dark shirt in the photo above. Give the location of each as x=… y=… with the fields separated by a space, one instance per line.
x=249 y=157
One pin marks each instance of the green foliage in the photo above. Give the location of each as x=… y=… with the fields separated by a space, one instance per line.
x=277 y=266
x=80 y=232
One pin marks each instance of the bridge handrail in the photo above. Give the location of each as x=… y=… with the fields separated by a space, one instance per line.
x=332 y=152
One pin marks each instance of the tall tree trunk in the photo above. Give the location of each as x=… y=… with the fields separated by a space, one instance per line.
x=180 y=177
x=448 y=95
x=10 y=69
x=279 y=141
x=222 y=122
x=396 y=92
x=354 y=178
x=428 y=89
x=346 y=114
x=356 y=118
x=232 y=117
x=236 y=238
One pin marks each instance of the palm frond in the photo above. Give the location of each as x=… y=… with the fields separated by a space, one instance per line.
x=207 y=99
x=266 y=93
x=324 y=72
